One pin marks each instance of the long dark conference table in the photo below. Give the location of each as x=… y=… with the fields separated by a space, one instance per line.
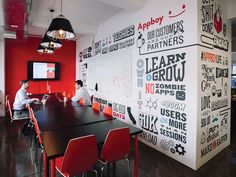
x=59 y=122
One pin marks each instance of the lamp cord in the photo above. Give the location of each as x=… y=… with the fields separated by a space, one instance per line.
x=61 y=6
x=52 y=11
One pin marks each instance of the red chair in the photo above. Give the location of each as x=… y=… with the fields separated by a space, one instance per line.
x=96 y=106
x=8 y=106
x=81 y=101
x=116 y=147
x=80 y=156
x=36 y=126
x=7 y=98
x=107 y=110
x=38 y=132
x=31 y=123
x=31 y=113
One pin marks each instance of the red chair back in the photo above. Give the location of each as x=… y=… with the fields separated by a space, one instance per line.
x=107 y=110
x=31 y=113
x=9 y=108
x=80 y=156
x=7 y=98
x=36 y=126
x=96 y=106
x=116 y=145
x=81 y=101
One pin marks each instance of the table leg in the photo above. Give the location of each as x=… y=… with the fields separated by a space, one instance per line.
x=136 y=156
x=52 y=168
x=45 y=164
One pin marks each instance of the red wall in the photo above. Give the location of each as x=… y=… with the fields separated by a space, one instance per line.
x=18 y=54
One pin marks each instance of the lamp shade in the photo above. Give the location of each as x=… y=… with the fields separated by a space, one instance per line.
x=45 y=50
x=51 y=42
x=60 y=28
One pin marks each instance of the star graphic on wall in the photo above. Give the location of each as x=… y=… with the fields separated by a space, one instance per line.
x=151 y=104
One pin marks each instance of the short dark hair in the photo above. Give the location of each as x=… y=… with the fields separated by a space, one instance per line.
x=24 y=81
x=79 y=82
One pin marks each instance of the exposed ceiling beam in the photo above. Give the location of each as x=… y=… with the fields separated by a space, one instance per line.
x=127 y=5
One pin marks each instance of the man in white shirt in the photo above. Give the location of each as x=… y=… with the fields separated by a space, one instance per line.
x=21 y=99
x=19 y=105
x=81 y=92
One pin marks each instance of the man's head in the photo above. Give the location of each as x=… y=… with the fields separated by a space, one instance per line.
x=25 y=84
x=78 y=84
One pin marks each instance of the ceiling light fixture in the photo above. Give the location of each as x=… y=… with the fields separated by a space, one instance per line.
x=50 y=42
x=45 y=50
x=60 y=28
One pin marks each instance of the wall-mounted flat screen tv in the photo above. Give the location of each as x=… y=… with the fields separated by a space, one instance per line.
x=41 y=70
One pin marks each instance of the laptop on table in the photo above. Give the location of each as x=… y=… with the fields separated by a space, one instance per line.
x=43 y=100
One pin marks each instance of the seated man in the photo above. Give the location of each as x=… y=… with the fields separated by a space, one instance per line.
x=21 y=99
x=19 y=105
x=81 y=92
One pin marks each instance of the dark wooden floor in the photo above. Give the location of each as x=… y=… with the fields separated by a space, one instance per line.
x=16 y=159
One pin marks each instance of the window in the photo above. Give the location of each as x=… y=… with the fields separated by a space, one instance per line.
x=233 y=76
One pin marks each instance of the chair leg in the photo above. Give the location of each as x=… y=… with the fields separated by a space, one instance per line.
x=31 y=135
x=33 y=139
x=36 y=151
x=34 y=144
x=30 y=141
x=108 y=169
x=113 y=169
x=102 y=171
x=41 y=162
x=102 y=168
x=96 y=173
x=127 y=160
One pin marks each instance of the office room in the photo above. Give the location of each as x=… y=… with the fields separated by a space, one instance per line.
x=118 y=88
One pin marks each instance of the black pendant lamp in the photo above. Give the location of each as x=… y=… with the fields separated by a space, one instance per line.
x=45 y=50
x=60 y=28
x=51 y=42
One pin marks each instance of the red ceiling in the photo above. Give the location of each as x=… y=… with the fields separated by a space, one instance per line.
x=15 y=14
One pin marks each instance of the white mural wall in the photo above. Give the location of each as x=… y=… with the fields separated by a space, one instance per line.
x=214 y=80
x=83 y=51
x=161 y=45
